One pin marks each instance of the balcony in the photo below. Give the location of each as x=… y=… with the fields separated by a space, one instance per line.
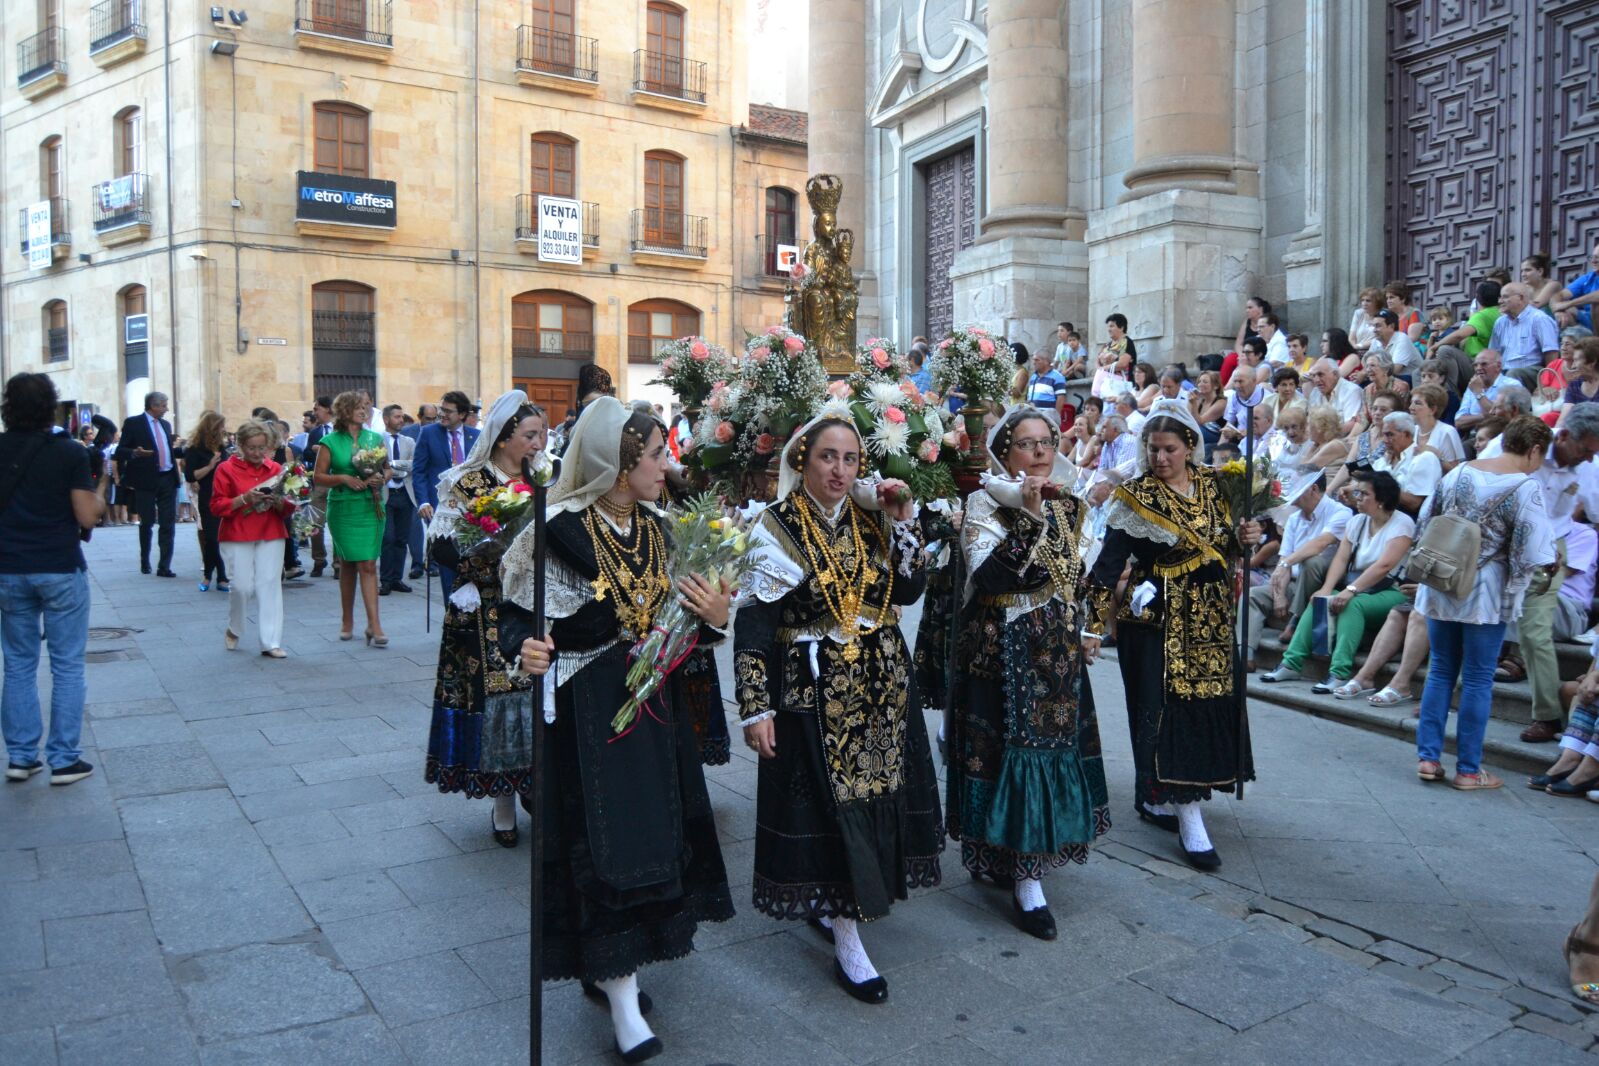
x=60 y=228
x=550 y=60
x=641 y=350
x=668 y=81
x=551 y=344
x=343 y=330
x=363 y=29
x=527 y=226
x=769 y=265
x=116 y=31
x=122 y=210
x=55 y=345
x=660 y=237
x=42 y=62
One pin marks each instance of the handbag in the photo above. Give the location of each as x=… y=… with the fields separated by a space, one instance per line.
x=1445 y=558
x=1352 y=575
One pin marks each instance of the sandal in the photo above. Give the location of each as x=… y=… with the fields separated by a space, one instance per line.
x=1588 y=991
x=1430 y=770
x=1389 y=697
x=1511 y=668
x=1350 y=689
x=1480 y=780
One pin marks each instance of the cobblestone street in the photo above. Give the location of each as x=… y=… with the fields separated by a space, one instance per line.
x=257 y=873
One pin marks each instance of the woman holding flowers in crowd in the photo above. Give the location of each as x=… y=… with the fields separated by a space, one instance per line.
x=1175 y=631
x=847 y=816
x=1026 y=781
x=631 y=863
x=353 y=465
x=479 y=743
x=246 y=499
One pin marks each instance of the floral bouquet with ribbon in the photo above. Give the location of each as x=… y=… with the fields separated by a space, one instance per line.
x=296 y=485
x=499 y=514
x=705 y=541
x=691 y=367
x=1246 y=501
x=903 y=433
x=369 y=461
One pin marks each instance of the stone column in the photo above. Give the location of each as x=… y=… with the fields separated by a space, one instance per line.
x=1027 y=120
x=837 y=106
x=1183 y=102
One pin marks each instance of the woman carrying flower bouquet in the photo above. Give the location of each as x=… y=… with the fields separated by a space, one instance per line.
x=847 y=817
x=630 y=854
x=1026 y=780
x=1175 y=631
x=352 y=464
x=250 y=506
x=478 y=741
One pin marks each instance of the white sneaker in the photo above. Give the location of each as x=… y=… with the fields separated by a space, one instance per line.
x=1282 y=673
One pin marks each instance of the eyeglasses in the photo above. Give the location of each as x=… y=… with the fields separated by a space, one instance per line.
x=1358 y=494
x=1040 y=445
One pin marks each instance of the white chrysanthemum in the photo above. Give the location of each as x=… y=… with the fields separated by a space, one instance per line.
x=881 y=395
x=836 y=407
x=889 y=438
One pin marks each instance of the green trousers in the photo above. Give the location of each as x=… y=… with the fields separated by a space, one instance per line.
x=1366 y=610
x=1535 y=633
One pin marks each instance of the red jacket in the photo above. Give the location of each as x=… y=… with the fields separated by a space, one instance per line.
x=234 y=478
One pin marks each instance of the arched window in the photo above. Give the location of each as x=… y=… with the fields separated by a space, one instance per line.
x=554 y=165
x=780 y=226
x=135 y=344
x=56 y=346
x=663 y=44
x=651 y=323
x=343 y=337
x=52 y=168
x=128 y=134
x=663 y=199
x=549 y=322
x=341 y=138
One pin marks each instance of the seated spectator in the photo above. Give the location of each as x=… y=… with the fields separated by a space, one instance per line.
x=1485 y=441
x=1331 y=448
x=1208 y=405
x=1466 y=633
x=1404 y=633
x=1396 y=299
x=1576 y=771
x=1127 y=407
x=1395 y=343
x=1485 y=384
x=1246 y=392
x=1171 y=381
x=1046 y=388
x=1435 y=372
x=1362 y=327
x=1569 y=337
x=1260 y=426
x=1146 y=385
x=1549 y=399
x=1310 y=537
x=1417 y=472
x=1513 y=400
x=1118 y=456
x=1462 y=345
x=1524 y=336
x=1224 y=453
x=1293 y=446
x=1284 y=391
x=1433 y=434
x=1254 y=308
x=1536 y=272
x=1369 y=447
x=1335 y=345
x=1440 y=321
x=1299 y=358
x=1330 y=389
x=1380 y=376
x=1270 y=330
x=1582 y=375
x=1374 y=545
x=1071 y=358
x=1572 y=603
x=1573 y=305
x=1080 y=445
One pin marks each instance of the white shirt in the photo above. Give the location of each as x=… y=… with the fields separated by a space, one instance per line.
x=1369 y=544
x=1277 y=349
x=1347 y=399
x=1402 y=350
x=1443 y=439
x=1563 y=488
x=1237 y=415
x=1330 y=516
x=1418 y=474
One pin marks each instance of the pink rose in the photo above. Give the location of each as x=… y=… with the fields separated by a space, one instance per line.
x=718 y=384
x=909 y=389
x=715 y=403
x=930 y=398
x=793 y=344
x=880 y=359
x=986 y=346
x=943 y=344
x=490 y=526
x=894 y=415
x=666 y=367
x=773 y=331
x=699 y=351
x=839 y=389
x=760 y=354
x=764 y=444
x=724 y=432
x=928 y=452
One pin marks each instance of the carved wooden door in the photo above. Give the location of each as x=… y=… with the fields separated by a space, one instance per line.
x=1492 y=117
x=949 y=224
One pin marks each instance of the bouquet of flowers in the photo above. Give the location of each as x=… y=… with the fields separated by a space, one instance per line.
x=969 y=361
x=747 y=420
x=879 y=360
x=296 y=484
x=369 y=461
x=504 y=511
x=705 y=541
x=1246 y=501
x=692 y=366
x=903 y=433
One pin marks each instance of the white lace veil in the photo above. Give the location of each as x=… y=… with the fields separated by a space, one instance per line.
x=593 y=458
x=789 y=479
x=1173 y=409
x=500 y=412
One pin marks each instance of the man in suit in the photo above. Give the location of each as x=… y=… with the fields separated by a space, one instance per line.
x=426 y=415
x=444 y=444
x=151 y=470
x=399 y=501
x=322 y=411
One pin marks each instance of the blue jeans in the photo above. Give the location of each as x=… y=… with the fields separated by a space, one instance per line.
x=62 y=600
x=1469 y=652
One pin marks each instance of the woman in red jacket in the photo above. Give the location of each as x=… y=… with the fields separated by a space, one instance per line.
x=245 y=495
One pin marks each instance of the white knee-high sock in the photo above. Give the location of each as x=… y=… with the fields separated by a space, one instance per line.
x=1191 y=824
x=631 y=1028
x=1030 y=893
x=505 y=812
x=1158 y=808
x=850 y=952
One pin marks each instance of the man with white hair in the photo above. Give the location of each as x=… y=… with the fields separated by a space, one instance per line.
x=1418 y=472
x=1523 y=335
x=1330 y=389
x=1310 y=539
x=1127 y=407
x=1483 y=387
x=1244 y=393
x=1118 y=458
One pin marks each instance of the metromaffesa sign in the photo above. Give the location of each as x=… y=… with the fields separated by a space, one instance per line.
x=343 y=199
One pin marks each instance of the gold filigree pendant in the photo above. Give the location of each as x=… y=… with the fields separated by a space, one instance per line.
x=852 y=652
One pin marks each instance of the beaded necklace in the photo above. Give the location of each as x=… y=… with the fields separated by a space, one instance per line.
x=635 y=578
x=843 y=590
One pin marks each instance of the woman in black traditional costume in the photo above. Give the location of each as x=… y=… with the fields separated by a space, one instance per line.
x=479 y=743
x=631 y=861
x=1026 y=779
x=847 y=817
x=1175 y=633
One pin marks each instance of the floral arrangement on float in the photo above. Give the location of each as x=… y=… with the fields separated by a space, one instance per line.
x=748 y=418
x=691 y=367
x=972 y=362
x=901 y=428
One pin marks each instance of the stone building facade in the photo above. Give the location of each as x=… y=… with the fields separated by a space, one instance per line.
x=1019 y=162
x=345 y=192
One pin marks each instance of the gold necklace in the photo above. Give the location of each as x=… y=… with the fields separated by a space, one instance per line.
x=843 y=591
x=621 y=512
x=635 y=578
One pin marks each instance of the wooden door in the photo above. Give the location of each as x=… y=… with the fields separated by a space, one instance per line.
x=663 y=70
x=949 y=220
x=343 y=18
x=556 y=397
x=553 y=25
x=663 y=199
x=50 y=177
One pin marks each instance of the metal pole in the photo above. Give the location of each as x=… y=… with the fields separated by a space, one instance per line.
x=535 y=999
x=1240 y=677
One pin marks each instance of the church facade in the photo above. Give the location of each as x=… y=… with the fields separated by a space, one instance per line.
x=1018 y=162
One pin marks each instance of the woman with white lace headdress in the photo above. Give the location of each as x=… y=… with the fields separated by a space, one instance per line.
x=631 y=863
x=1025 y=776
x=846 y=818
x=1175 y=642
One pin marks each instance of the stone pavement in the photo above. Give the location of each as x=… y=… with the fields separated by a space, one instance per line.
x=258 y=874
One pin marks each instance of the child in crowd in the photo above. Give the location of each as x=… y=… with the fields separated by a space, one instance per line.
x=1440 y=323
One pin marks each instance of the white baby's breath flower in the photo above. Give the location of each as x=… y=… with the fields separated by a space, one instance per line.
x=889 y=438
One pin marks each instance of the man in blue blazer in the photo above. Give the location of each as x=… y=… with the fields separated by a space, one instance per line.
x=426 y=415
x=444 y=444
x=151 y=470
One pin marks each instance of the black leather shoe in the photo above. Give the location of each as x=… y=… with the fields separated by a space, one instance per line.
x=647 y=1050
x=1543 y=781
x=1568 y=790
x=505 y=838
x=596 y=993
x=1036 y=922
x=400 y=586
x=416 y=575
x=872 y=991
x=1201 y=860
x=384 y=590
x=144 y=568
x=1167 y=822
x=165 y=573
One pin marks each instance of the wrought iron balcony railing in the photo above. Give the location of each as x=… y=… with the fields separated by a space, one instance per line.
x=527 y=220
x=123 y=201
x=669 y=75
x=548 y=343
x=113 y=21
x=563 y=54
x=55 y=345
x=656 y=229
x=60 y=222
x=41 y=55
x=343 y=329
x=371 y=21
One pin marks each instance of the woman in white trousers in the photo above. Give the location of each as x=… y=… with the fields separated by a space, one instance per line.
x=247 y=497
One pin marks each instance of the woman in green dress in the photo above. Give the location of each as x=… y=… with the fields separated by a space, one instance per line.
x=355 y=510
